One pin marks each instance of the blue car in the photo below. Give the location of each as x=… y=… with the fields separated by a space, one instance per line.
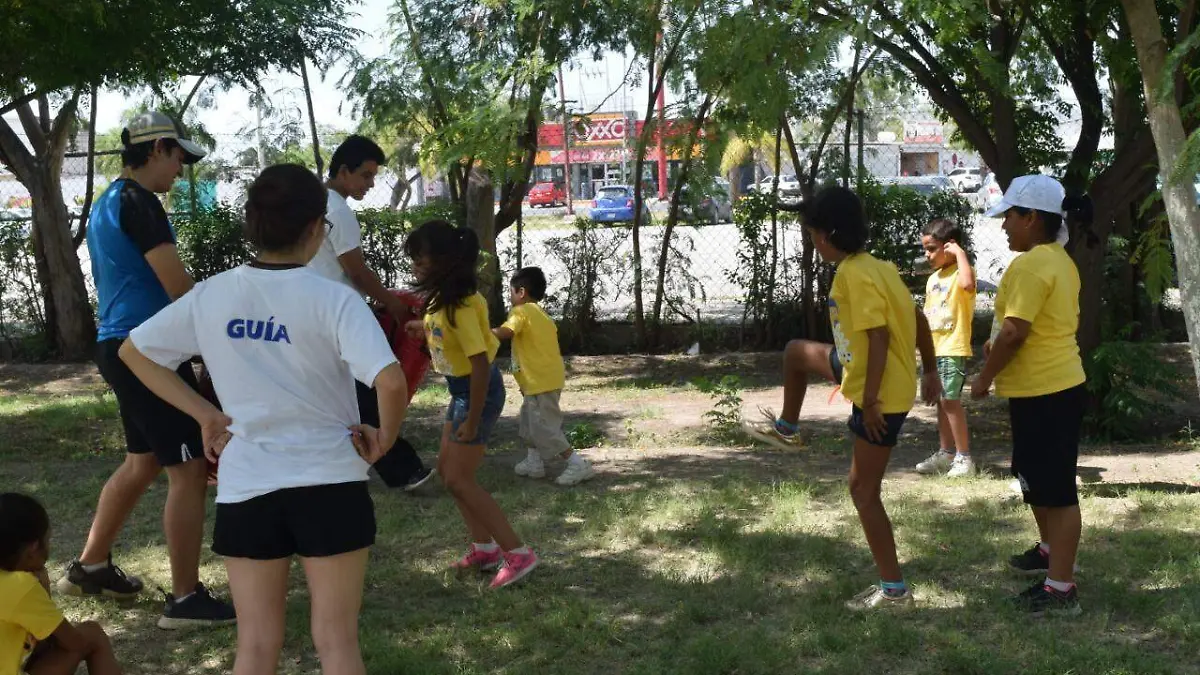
x=614 y=204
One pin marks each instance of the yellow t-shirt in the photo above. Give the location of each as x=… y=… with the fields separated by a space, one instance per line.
x=1041 y=286
x=27 y=616
x=537 y=362
x=452 y=346
x=949 y=308
x=868 y=293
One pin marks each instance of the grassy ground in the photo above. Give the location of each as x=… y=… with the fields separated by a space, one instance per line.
x=691 y=553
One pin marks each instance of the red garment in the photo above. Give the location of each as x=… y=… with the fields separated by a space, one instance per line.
x=411 y=352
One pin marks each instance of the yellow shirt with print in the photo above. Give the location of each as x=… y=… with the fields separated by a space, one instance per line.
x=450 y=347
x=537 y=363
x=868 y=293
x=949 y=309
x=27 y=616
x=1041 y=286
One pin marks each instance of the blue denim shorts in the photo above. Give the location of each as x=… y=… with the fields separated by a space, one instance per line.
x=460 y=404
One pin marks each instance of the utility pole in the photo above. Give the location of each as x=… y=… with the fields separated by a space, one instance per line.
x=258 y=134
x=566 y=131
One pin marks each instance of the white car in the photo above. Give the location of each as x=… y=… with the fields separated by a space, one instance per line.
x=966 y=179
x=988 y=194
x=789 y=185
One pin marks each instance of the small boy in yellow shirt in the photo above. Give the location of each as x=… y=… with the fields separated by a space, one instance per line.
x=538 y=368
x=949 y=308
x=34 y=636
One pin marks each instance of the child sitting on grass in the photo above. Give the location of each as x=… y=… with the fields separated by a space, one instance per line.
x=949 y=308
x=33 y=633
x=538 y=368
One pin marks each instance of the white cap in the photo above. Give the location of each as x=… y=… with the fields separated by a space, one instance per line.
x=1037 y=191
x=153 y=125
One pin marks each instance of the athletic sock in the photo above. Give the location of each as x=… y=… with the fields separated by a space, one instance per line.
x=94 y=568
x=534 y=456
x=1059 y=586
x=485 y=548
x=521 y=550
x=575 y=460
x=785 y=427
x=1044 y=548
x=893 y=589
x=960 y=453
x=185 y=597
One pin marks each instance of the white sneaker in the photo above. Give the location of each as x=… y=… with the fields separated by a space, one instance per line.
x=531 y=468
x=575 y=473
x=1015 y=486
x=875 y=598
x=962 y=466
x=938 y=462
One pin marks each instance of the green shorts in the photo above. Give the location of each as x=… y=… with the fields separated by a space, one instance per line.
x=953 y=372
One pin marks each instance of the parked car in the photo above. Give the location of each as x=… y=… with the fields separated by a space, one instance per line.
x=614 y=204
x=988 y=194
x=926 y=185
x=789 y=186
x=712 y=207
x=547 y=194
x=966 y=179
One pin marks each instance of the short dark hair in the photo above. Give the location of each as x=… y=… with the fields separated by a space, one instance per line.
x=838 y=212
x=944 y=230
x=353 y=153
x=533 y=280
x=280 y=205
x=1079 y=212
x=23 y=521
x=135 y=155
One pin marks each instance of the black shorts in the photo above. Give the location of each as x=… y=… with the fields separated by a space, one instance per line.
x=151 y=424
x=895 y=422
x=1045 y=435
x=311 y=522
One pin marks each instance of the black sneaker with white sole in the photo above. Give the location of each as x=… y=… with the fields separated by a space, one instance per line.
x=198 y=609
x=1031 y=562
x=420 y=479
x=109 y=581
x=1041 y=600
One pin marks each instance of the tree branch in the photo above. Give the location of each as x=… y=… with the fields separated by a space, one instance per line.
x=33 y=128
x=16 y=155
x=91 y=172
x=16 y=103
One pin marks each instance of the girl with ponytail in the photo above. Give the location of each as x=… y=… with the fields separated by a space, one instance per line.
x=1033 y=359
x=463 y=349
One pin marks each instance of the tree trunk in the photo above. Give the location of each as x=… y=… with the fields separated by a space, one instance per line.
x=481 y=218
x=68 y=311
x=1166 y=123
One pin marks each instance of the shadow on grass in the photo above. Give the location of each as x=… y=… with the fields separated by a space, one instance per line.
x=1118 y=490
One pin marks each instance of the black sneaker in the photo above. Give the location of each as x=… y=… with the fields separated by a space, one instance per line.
x=1039 y=600
x=1032 y=562
x=198 y=609
x=420 y=478
x=109 y=581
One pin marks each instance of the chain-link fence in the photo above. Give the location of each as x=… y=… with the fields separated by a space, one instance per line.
x=727 y=262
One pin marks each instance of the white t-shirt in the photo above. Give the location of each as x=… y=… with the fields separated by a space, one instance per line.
x=284 y=347
x=344 y=236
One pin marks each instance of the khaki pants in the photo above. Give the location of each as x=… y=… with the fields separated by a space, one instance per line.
x=541 y=425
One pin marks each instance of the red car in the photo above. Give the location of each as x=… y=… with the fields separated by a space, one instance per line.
x=547 y=194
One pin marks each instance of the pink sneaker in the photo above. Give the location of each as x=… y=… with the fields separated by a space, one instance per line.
x=484 y=561
x=516 y=566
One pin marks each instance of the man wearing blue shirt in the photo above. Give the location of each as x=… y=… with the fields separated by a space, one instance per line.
x=137 y=272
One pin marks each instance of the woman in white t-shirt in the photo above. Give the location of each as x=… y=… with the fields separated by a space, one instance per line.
x=284 y=347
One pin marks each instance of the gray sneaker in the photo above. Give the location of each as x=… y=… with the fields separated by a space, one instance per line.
x=937 y=463
x=767 y=431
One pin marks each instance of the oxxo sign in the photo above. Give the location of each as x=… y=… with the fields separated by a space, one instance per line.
x=601 y=130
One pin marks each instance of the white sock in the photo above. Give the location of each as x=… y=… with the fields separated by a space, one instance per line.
x=576 y=460
x=184 y=597
x=1060 y=586
x=960 y=453
x=95 y=568
x=1045 y=547
x=522 y=550
x=486 y=548
x=534 y=456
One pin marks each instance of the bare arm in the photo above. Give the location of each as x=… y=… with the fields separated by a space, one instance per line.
x=877 y=347
x=480 y=373
x=503 y=333
x=1013 y=333
x=966 y=275
x=391 y=389
x=164 y=260
x=925 y=344
x=365 y=280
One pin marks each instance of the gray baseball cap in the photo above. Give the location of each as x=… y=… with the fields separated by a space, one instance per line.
x=153 y=125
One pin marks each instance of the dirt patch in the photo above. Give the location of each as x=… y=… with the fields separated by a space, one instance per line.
x=50 y=379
